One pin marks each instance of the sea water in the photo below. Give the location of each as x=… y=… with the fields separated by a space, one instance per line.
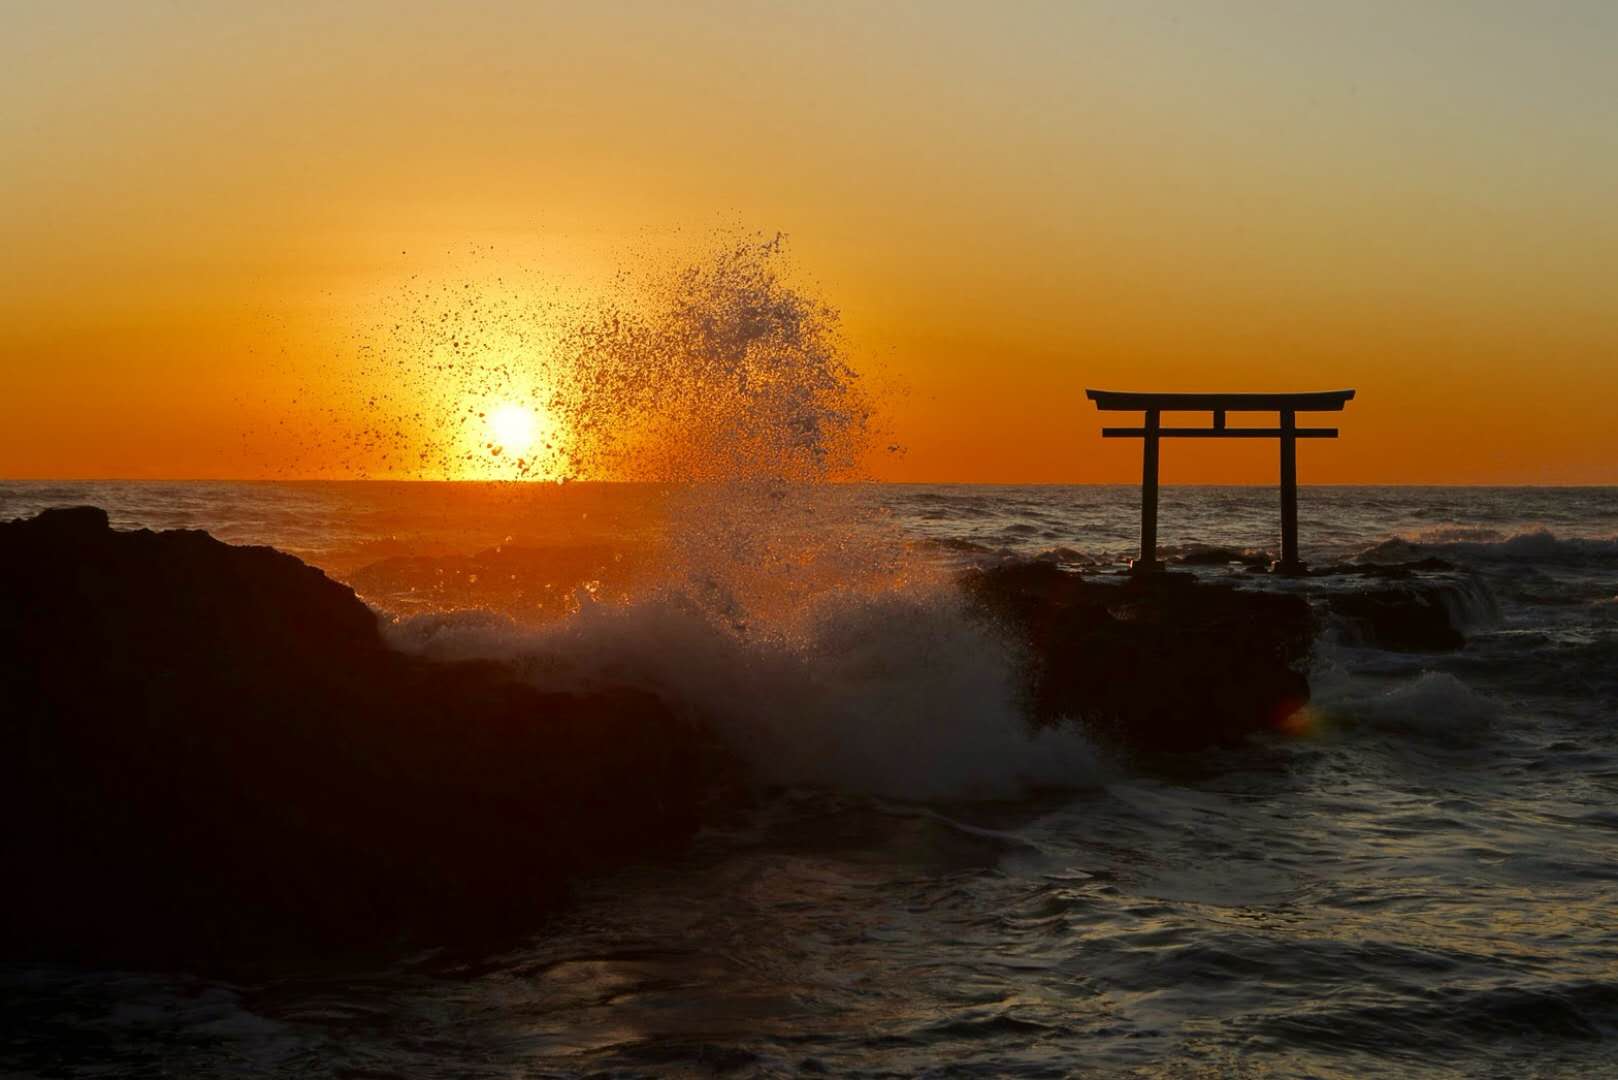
x=1421 y=879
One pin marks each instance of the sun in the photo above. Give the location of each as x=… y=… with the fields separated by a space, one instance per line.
x=512 y=438
x=514 y=428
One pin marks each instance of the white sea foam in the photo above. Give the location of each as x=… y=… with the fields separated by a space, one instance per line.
x=1419 y=702
x=902 y=694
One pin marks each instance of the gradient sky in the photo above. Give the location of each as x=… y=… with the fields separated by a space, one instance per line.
x=1008 y=202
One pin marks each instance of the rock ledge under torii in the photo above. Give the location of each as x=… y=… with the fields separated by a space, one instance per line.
x=1183 y=660
x=1160 y=662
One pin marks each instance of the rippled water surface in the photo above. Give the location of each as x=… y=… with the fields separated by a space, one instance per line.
x=1421 y=881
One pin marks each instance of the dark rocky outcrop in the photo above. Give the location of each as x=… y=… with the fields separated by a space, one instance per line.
x=1418 y=606
x=211 y=759
x=1163 y=662
x=1401 y=620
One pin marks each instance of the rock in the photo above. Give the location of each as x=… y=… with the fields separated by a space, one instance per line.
x=1402 y=620
x=1416 y=606
x=213 y=761
x=1219 y=556
x=1162 y=661
x=1396 y=571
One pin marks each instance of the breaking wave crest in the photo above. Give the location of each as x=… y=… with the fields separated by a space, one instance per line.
x=1490 y=545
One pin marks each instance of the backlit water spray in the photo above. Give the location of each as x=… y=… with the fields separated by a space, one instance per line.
x=783 y=610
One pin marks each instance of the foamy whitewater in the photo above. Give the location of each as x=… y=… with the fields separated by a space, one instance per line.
x=1421 y=880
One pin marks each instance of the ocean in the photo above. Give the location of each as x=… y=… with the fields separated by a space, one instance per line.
x=1420 y=878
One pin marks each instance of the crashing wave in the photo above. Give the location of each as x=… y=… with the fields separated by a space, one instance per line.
x=901 y=694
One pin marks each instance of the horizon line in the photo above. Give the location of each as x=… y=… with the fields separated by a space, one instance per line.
x=829 y=483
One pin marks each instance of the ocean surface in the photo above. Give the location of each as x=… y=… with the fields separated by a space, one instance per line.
x=1420 y=880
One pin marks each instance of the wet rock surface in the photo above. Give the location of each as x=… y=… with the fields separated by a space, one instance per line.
x=1163 y=661
x=1400 y=620
x=212 y=760
x=1418 y=606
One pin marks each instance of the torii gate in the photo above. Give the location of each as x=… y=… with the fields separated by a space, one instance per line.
x=1288 y=432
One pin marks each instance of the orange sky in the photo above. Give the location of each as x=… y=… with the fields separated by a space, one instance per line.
x=1008 y=203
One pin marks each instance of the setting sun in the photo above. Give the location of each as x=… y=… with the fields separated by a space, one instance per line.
x=514 y=428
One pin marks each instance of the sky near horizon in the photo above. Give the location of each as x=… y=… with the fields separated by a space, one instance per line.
x=1007 y=203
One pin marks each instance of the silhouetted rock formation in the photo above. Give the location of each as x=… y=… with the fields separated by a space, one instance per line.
x=211 y=759
x=1159 y=661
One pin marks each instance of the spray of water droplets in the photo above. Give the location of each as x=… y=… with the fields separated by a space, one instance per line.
x=782 y=608
x=716 y=368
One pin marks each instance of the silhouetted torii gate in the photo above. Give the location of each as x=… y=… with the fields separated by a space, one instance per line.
x=1155 y=405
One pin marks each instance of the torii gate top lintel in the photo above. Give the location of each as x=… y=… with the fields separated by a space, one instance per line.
x=1287 y=432
x=1313 y=401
